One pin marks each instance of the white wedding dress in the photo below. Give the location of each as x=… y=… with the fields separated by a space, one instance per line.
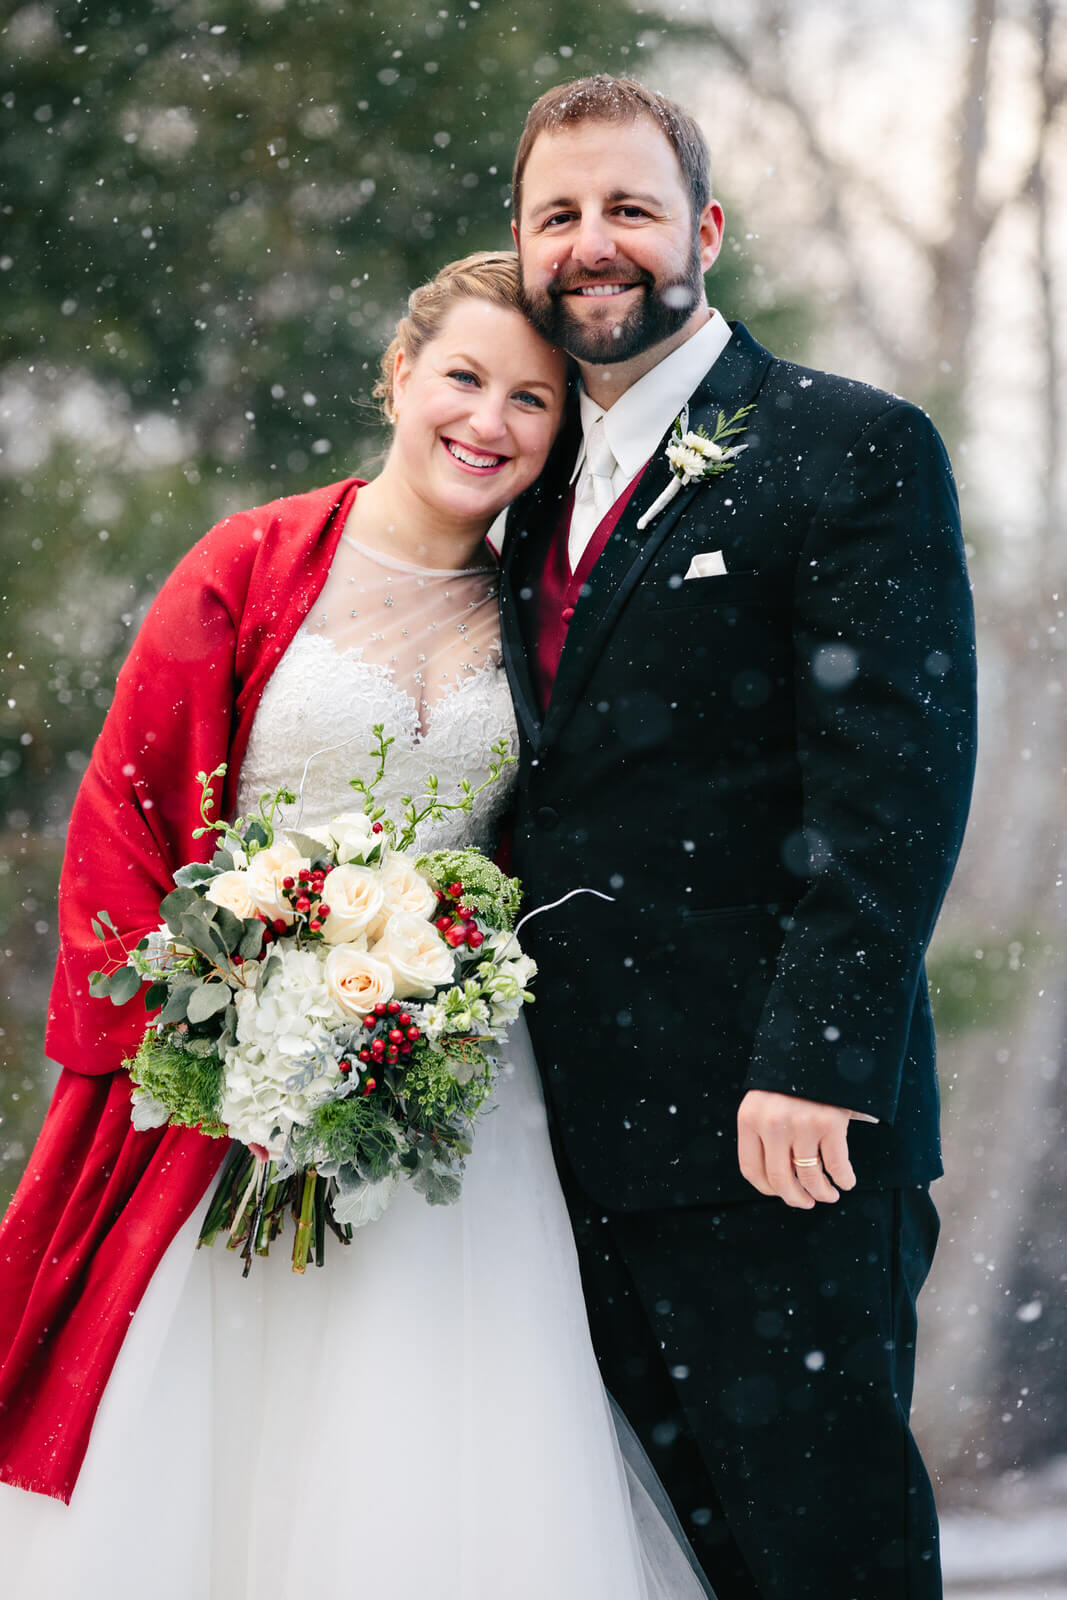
x=423 y=1416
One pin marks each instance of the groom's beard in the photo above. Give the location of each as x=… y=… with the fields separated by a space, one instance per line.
x=661 y=309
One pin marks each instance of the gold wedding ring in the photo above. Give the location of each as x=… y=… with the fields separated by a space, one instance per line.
x=807 y=1161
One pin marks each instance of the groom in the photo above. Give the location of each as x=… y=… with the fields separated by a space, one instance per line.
x=746 y=714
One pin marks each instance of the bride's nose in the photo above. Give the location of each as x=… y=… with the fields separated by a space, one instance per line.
x=487 y=417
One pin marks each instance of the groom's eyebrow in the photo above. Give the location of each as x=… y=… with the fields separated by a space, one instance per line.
x=614 y=198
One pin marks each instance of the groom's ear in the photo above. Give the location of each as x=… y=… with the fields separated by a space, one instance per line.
x=515 y=232
x=710 y=233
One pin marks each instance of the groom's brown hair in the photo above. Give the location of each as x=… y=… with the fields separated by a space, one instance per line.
x=607 y=99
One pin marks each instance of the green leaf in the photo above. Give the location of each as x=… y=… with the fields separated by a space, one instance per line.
x=313 y=848
x=256 y=835
x=155 y=995
x=123 y=985
x=196 y=929
x=105 y=918
x=222 y=860
x=231 y=929
x=99 y=985
x=193 y=873
x=98 y=930
x=174 y=1010
x=251 y=940
x=206 y=999
x=175 y=905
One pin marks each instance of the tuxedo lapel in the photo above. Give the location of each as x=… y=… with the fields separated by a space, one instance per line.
x=733 y=381
x=531 y=522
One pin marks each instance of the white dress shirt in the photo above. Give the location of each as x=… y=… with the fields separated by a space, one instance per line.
x=636 y=423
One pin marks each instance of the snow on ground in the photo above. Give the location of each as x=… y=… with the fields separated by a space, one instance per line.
x=1015 y=1546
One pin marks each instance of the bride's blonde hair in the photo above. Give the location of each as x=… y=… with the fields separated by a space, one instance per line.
x=491 y=275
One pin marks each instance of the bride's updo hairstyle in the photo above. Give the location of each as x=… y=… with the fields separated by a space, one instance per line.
x=491 y=275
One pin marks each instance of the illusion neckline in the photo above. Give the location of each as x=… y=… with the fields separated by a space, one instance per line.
x=395 y=564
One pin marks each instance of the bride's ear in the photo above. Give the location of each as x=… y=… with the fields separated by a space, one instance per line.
x=401 y=373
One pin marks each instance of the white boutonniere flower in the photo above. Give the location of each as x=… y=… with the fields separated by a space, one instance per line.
x=694 y=456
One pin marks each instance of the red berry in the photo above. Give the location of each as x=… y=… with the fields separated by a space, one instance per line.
x=475 y=938
x=370 y=1022
x=395 y=1036
x=364 y=1054
x=455 y=937
x=392 y=1053
x=314 y=924
x=376 y=827
x=393 y=1007
x=455 y=889
x=345 y=1067
x=371 y=1083
x=324 y=910
x=440 y=893
x=466 y=912
x=287 y=883
x=403 y=1019
x=443 y=924
x=279 y=924
x=304 y=875
x=413 y=1033
x=380 y=1009
x=405 y=1049
x=303 y=903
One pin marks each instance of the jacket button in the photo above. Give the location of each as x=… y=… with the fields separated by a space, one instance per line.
x=547 y=816
x=567 y=613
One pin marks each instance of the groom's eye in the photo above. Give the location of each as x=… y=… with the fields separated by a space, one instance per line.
x=557 y=216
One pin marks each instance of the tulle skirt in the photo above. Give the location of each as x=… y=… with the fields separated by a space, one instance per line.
x=422 y=1416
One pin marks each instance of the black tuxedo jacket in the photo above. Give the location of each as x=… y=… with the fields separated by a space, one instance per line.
x=768 y=770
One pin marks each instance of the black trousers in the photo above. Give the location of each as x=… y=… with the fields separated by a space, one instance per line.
x=765 y=1358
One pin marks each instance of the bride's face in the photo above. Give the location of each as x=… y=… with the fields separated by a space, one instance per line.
x=478 y=410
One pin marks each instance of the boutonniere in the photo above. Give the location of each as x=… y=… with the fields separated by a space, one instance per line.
x=694 y=456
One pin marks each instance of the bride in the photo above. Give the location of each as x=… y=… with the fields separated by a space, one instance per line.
x=425 y=1415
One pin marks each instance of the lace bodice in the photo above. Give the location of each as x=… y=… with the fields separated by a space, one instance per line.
x=409 y=647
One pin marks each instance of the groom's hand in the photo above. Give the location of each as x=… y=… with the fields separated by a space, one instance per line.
x=796 y=1149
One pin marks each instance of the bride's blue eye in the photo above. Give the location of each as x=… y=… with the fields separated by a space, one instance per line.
x=529 y=399
x=463 y=377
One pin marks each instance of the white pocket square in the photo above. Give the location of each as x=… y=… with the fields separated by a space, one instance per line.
x=709 y=565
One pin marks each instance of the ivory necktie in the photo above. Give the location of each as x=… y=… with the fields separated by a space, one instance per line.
x=595 y=493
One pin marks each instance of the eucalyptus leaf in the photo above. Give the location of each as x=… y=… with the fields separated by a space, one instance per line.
x=251 y=940
x=99 y=985
x=105 y=918
x=198 y=931
x=155 y=995
x=206 y=999
x=123 y=985
x=174 y=1010
x=195 y=872
x=175 y=905
x=222 y=860
x=231 y=928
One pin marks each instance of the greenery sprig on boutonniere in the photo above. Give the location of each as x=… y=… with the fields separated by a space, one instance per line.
x=695 y=455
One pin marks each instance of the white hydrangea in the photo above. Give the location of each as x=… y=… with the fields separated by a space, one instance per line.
x=268 y=1087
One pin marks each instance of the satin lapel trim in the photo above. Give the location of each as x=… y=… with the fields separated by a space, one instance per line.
x=732 y=382
x=522 y=560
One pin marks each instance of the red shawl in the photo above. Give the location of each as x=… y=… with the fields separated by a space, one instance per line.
x=99 y=1203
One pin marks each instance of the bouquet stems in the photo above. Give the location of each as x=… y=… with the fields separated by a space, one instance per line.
x=306 y=1223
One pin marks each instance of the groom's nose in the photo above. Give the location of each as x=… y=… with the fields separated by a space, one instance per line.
x=593 y=244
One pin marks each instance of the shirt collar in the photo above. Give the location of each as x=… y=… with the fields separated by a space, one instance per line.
x=637 y=421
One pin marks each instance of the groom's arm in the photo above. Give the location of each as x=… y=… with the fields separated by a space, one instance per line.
x=884 y=659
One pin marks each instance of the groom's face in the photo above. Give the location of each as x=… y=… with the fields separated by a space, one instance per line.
x=612 y=259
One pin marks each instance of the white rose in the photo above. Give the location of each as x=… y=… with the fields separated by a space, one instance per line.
x=353 y=836
x=355 y=897
x=404 y=890
x=420 y=959
x=230 y=889
x=265 y=873
x=356 y=980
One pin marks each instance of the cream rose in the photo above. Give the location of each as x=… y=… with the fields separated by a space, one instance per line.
x=355 y=896
x=404 y=890
x=420 y=959
x=230 y=889
x=264 y=877
x=353 y=836
x=356 y=980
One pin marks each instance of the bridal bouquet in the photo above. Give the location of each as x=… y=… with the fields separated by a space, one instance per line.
x=331 y=1001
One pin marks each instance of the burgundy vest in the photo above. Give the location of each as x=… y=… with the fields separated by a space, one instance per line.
x=561 y=588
